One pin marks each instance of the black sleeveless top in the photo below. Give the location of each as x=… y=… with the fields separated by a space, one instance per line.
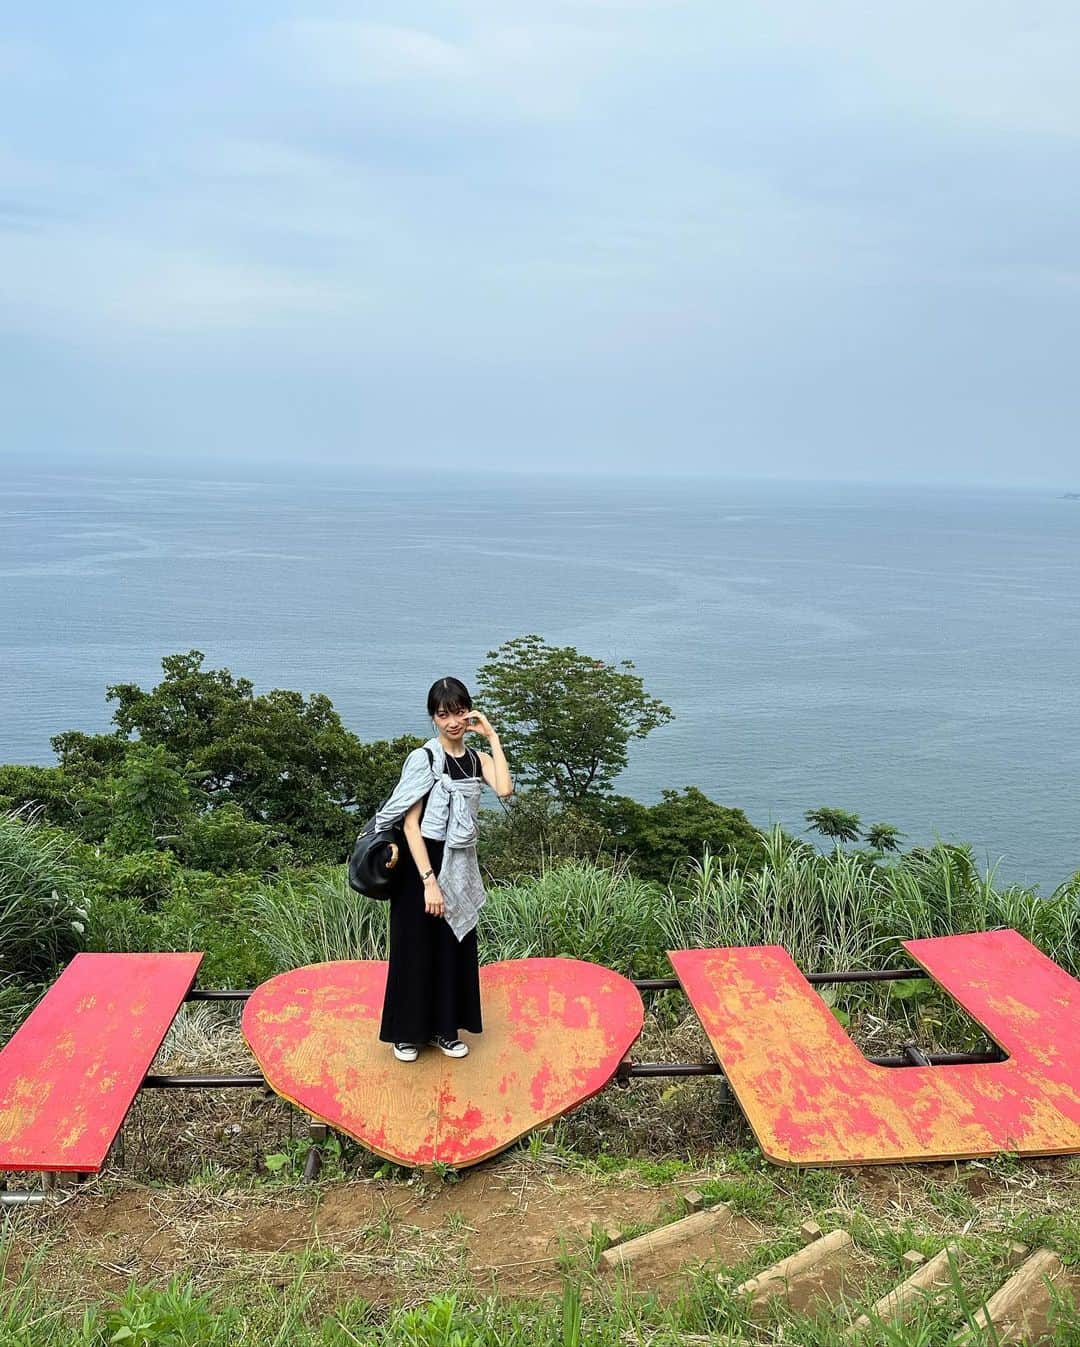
x=465 y=767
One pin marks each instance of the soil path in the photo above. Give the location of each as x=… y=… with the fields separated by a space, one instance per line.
x=504 y=1227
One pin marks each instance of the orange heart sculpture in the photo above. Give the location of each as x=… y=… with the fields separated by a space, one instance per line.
x=555 y=1031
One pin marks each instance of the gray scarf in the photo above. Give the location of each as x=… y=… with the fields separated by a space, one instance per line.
x=450 y=816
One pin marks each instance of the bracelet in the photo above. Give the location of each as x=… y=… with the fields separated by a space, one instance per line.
x=427 y=875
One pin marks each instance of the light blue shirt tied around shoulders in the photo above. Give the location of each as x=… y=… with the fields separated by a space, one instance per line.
x=450 y=816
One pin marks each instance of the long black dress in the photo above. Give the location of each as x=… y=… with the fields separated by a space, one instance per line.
x=433 y=985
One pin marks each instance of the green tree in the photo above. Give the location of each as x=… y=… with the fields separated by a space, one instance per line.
x=659 y=838
x=147 y=801
x=378 y=768
x=883 y=837
x=53 y=794
x=564 y=718
x=284 y=760
x=88 y=757
x=835 y=823
x=223 y=839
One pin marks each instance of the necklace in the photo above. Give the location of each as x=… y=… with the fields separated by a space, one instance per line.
x=459 y=763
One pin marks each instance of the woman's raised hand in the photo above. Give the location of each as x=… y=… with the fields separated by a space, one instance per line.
x=482 y=725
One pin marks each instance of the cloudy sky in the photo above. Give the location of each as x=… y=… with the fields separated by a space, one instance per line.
x=757 y=236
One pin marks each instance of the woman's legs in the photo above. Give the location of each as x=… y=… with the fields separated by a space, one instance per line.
x=433 y=982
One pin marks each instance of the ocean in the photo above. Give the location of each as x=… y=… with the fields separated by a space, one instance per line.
x=907 y=653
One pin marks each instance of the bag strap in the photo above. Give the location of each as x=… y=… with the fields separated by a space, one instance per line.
x=431 y=764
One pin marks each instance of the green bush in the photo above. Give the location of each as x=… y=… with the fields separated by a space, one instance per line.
x=149 y=901
x=534 y=832
x=224 y=840
x=49 y=792
x=659 y=839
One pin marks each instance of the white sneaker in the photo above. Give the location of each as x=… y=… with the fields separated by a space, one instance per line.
x=406 y=1052
x=450 y=1047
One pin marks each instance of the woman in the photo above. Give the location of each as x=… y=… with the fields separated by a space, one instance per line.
x=433 y=983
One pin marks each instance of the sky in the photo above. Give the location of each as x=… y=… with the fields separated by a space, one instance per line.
x=756 y=237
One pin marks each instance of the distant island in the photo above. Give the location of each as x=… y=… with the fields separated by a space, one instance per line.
x=1071 y=495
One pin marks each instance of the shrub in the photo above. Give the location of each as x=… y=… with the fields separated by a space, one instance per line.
x=532 y=833
x=658 y=839
x=149 y=901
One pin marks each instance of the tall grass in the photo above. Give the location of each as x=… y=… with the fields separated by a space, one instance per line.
x=821 y=909
x=586 y=911
x=843 y=911
x=833 y=911
x=317 y=919
x=42 y=923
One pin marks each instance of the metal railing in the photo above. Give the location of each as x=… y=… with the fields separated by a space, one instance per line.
x=911 y=1054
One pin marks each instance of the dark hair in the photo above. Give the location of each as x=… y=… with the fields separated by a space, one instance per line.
x=448 y=694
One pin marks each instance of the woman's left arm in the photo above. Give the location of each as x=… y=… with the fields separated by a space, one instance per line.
x=493 y=764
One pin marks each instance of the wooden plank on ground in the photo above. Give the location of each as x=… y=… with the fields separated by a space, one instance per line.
x=692 y=1227
x=803 y=1279
x=71 y=1070
x=904 y=1300
x=1019 y=1311
x=811 y=1097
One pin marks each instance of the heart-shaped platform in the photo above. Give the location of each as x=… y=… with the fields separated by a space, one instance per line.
x=555 y=1031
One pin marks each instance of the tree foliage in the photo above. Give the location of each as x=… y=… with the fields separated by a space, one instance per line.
x=51 y=791
x=202 y=740
x=883 y=837
x=564 y=718
x=534 y=832
x=658 y=839
x=834 y=823
x=286 y=760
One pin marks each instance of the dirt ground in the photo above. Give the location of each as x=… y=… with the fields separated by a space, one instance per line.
x=511 y=1225
x=507 y=1226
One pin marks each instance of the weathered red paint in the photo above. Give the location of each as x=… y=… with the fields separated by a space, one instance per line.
x=555 y=1031
x=70 y=1072
x=813 y=1099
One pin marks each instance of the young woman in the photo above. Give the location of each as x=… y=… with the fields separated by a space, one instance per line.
x=433 y=984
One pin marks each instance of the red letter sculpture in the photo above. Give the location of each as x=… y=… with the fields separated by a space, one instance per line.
x=813 y=1099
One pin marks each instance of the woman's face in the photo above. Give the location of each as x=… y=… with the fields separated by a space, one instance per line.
x=452 y=724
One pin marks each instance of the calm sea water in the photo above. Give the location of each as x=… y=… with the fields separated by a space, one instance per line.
x=909 y=654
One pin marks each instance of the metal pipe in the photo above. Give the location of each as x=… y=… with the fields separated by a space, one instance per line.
x=21 y=1199
x=201 y=1082
x=218 y=994
x=639 y=1070
x=943 y=1059
x=912 y=1056
x=642 y=984
x=866 y=975
x=815 y=979
x=646 y=1070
